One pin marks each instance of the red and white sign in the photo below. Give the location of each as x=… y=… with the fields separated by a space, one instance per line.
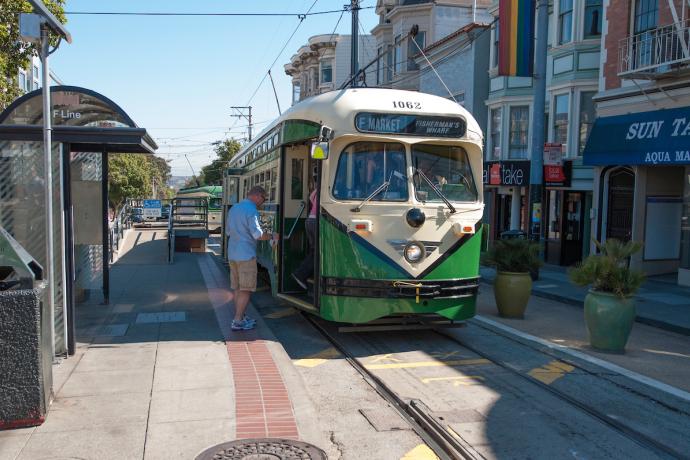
x=553 y=154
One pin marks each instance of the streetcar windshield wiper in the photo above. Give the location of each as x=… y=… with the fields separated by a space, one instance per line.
x=378 y=190
x=437 y=190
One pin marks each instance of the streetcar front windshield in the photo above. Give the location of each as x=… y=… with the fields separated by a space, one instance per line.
x=447 y=168
x=365 y=166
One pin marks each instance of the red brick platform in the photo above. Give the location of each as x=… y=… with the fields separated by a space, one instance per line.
x=262 y=402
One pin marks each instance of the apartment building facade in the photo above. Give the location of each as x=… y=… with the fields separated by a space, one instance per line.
x=323 y=64
x=638 y=146
x=406 y=26
x=574 y=43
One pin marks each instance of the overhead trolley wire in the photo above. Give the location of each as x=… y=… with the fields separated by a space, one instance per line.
x=301 y=16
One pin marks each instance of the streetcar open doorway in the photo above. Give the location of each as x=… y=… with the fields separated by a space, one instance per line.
x=301 y=177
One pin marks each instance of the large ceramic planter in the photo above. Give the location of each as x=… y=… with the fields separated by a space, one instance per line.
x=512 y=291
x=609 y=319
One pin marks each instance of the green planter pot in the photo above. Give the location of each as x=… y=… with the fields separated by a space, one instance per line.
x=609 y=319
x=512 y=291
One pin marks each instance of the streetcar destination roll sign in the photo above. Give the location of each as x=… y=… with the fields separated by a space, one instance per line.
x=411 y=125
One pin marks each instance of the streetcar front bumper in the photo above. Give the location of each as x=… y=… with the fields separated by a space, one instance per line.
x=401 y=289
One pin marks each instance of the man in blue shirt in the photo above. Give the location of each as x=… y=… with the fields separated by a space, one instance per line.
x=243 y=230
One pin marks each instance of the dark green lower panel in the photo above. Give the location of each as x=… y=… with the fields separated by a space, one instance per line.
x=359 y=310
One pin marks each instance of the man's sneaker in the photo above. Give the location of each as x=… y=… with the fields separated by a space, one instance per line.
x=248 y=319
x=242 y=325
x=302 y=284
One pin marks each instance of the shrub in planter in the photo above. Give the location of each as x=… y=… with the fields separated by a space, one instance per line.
x=514 y=259
x=609 y=305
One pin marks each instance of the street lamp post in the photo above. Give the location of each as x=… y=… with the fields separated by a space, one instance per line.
x=37 y=28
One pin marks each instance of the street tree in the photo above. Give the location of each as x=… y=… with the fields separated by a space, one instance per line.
x=135 y=176
x=225 y=150
x=15 y=54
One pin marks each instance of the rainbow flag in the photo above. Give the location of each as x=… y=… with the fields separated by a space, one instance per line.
x=516 y=37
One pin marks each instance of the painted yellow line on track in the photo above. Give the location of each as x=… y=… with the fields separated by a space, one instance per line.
x=450 y=363
x=319 y=358
x=551 y=372
x=421 y=452
x=457 y=381
x=282 y=313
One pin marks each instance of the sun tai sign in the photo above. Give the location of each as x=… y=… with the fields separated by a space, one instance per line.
x=660 y=137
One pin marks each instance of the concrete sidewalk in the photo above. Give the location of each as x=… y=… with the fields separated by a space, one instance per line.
x=154 y=378
x=659 y=302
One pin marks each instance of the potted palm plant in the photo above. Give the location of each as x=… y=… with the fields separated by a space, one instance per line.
x=514 y=260
x=609 y=305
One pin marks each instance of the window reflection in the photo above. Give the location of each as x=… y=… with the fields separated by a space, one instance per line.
x=364 y=166
x=449 y=170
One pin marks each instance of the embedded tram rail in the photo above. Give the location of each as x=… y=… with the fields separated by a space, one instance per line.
x=448 y=443
x=643 y=440
x=444 y=445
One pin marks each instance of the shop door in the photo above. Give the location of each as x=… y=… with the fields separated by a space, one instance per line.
x=573 y=228
x=620 y=205
x=553 y=229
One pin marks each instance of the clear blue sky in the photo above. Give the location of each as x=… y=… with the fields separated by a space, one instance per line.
x=178 y=76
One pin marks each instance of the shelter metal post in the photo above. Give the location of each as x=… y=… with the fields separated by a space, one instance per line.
x=106 y=228
x=48 y=184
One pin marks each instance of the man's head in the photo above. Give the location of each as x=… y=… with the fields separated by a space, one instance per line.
x=257 y=195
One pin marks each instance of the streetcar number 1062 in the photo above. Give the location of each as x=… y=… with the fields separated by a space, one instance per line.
x=407 y=105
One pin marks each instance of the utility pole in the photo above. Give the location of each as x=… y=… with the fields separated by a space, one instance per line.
x=354 y=53
x=247 y=116
x=536 y=187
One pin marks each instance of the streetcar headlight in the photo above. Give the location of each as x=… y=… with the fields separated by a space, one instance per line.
x=414 y=252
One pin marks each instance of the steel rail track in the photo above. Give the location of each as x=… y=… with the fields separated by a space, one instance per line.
x=636 y=436
x=444 y=444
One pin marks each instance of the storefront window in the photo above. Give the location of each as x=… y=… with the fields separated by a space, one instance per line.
x=519 y=131
x=685 y=223
x=560 y=119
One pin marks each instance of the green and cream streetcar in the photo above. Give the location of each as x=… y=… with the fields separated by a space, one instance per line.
x=399 y=203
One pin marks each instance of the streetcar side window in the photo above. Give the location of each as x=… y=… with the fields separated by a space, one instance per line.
x=365 y=166
x=448 y=168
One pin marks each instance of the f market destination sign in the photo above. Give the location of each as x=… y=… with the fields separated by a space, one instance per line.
x=649 y=138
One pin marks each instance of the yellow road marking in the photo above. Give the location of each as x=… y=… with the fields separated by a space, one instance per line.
x=457 y=362
x=319 y=358
x=386 y=357
x=457 y=381
x=421 y=452
x=551 y=372
x=282 y=313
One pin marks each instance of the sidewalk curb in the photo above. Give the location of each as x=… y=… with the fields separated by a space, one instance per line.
x=651 y=388
x=578 y=303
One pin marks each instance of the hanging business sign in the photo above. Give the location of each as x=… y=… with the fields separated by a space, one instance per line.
x=510 y=173
x=553 y=154
x=660 y=137
x=558 y=175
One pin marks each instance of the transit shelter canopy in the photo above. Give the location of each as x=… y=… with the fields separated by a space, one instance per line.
x=660 y=137
x=84 y=118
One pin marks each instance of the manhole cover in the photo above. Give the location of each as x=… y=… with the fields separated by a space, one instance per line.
x=263 y=449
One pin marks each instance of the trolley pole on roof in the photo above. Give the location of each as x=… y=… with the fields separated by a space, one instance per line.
x=248 y=116
x=536 y=186
x=354 y=52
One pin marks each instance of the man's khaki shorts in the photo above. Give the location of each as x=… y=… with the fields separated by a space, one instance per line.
x=243 y=275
